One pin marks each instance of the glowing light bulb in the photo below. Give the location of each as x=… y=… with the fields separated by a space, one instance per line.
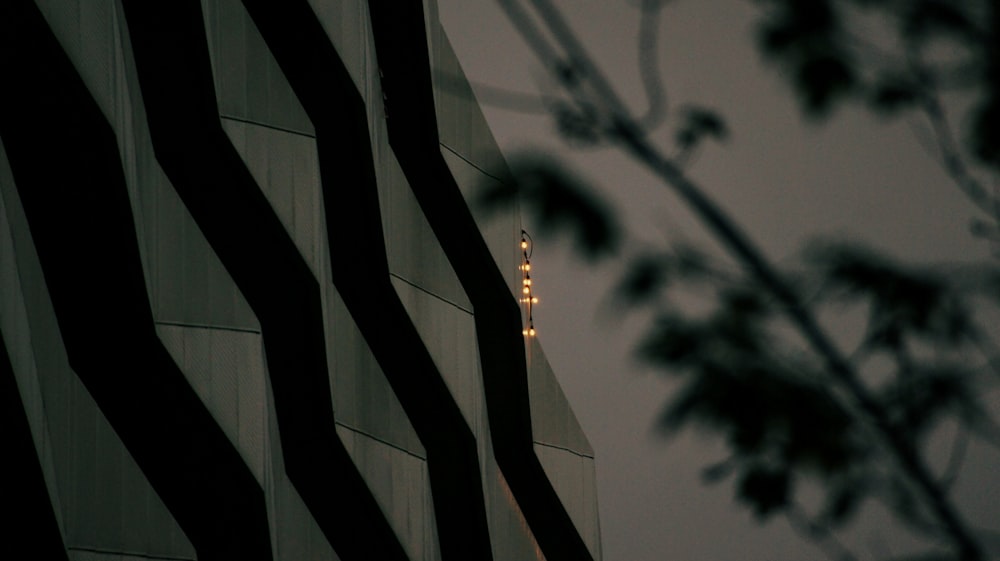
x=526 y=290
x=527 y=281
x=534 y=300
x=527 y=266
x=524 y=244
x=531 y=332
x=525 y=332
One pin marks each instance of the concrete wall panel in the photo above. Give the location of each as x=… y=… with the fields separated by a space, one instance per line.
x=227 y=370
x=461 y=124
x=295 y=535
x=363 y=399
x=400 y=481
x=500 y=227
x=99 y=493
x=449 y=334
x=562 y=448
x=347 y=25
x=249 y=84
x=286 y=168
x=415 y=255
x=512 y=535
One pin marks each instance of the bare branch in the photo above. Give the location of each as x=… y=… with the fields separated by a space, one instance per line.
x=818 y=533
x=520 y=102
x=531 y=33
x=959 y=449
x=649 y=64
x=952 y=160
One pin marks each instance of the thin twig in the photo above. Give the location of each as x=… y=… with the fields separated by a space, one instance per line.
x=510 y=100
x=531 y=33
x=959 y=448
x=649 y=65
x=485 y=94
x=951 y=158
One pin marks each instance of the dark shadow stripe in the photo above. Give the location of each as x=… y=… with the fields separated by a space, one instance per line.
x=361 y=272
x=65 y=162
x=171 y=52
x=31 y=530
x=401 y=45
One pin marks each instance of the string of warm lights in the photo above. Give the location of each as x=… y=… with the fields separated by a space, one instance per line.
x=527 y=298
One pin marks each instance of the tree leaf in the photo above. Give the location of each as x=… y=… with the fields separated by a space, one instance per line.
x=842 y=502
x=918 y=398
x=822 y=80
x=985 y=134
x=644 y=277
x=921 y=19
x=891 y=94
x=698 y=123
x=902 y=299
x=560 y=203
x=718 y=471
x=766 y=490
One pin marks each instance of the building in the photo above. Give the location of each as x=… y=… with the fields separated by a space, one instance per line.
x=246 y=311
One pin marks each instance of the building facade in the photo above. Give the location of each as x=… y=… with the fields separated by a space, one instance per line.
x=246 y=309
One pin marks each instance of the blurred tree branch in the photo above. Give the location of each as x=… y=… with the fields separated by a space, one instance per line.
x=788 y=410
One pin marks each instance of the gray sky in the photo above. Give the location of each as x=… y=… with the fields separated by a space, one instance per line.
x=784 y=180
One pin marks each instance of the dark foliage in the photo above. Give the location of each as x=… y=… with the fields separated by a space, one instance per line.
x=756 y=365
x=901 y=301
x=559 y=202
x=805 y=37
x=828 y=62
x=772 y=400
x=696 y=124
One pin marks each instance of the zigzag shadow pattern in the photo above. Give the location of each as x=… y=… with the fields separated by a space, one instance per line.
x=32 y=531
x=401 y=43
x=172 y=59
x=361 y=271
x=359 y=492
x=65 y=162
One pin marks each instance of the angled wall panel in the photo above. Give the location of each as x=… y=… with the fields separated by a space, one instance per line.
x=562 y=448
x=99 y=494
x=67 y=171
x=284 y=164
x=472 y=158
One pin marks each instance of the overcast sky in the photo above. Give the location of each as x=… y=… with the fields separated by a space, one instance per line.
x=785 y=180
